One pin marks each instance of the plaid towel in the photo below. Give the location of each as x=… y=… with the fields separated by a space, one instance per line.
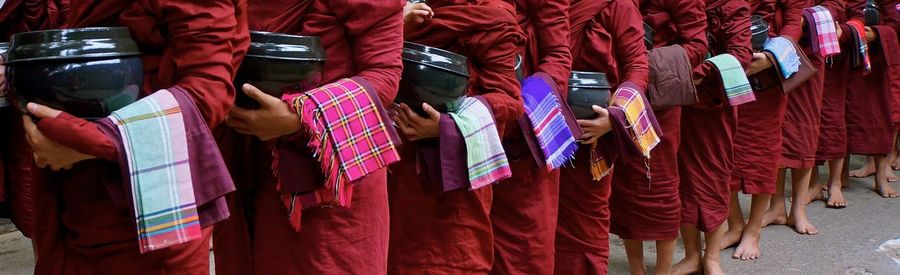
x=734 y=79
x=153 y=132
x=349 y=137
x=484 y=153
x=545 y=114
x=642 y=133
x=860 y=57
x=822 y=32
x=785 y=55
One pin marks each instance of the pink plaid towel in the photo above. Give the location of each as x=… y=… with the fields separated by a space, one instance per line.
x=822 y=31
x=348 y=136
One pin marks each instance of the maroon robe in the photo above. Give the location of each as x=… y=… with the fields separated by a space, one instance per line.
x=649 y=208
x=758 y=140
x=86 y=222
x=525 y=206
x=362 y=39
x=706 y=153
x=872 y=98
x=832 y=143
x=605 y=37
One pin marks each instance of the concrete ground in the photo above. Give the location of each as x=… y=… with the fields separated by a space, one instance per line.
x=846 y=243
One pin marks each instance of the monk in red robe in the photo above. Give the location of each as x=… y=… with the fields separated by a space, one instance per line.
x=362 y=42
x=439 y=222
x=525 y=206
x=86 y=223
x=605 y=37
x=645 y=204
x=871 y=130
x=706 y=153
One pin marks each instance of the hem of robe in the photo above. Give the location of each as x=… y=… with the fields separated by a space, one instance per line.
x=752 y=187
x=582 y=232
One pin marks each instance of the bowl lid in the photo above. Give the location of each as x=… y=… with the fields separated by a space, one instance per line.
x=436 y=58
x=285 y=46
x=758 y=25
x=580 y=79
x=95 y=42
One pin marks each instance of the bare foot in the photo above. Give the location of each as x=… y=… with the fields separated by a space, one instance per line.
x=774 y=216
x=886 y=191
x=836 y=198
x=815 y=193
x=802 y=225
x=895 y=164
x=731 y=238
x=749 y=247
x=864 y=172
x=687 y=266
x=711 y=267
x=892 y=178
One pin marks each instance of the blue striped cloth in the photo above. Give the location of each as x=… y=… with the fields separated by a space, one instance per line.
x=545 y=114
x=785 y=55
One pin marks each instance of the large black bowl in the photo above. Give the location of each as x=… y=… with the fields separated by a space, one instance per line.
x=88 y=72
x=872 y=14
x=759 y=29
x=276 y=63
x=587 y=89
x=648 y=37
x=431 y=75
x=520 y=70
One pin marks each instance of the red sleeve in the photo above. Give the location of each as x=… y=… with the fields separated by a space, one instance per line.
x=836 y=8
x=625 y=23
x=689 y=17
x=792 y=11
x=734 y=36
x=202 y=39
x=552 y=28
x=375 y=29
x=494 y=58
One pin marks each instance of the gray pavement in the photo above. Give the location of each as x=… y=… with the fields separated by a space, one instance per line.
x=846 y=243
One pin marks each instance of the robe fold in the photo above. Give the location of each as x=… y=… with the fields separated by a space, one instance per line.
x=832 y=143
x=363 y=40
x=525 y=206
x=758 y=140
x=706 y=154
x=87 y=224
x=605 y=37
x=872 y=99
x=433 y=231
x=645 y=203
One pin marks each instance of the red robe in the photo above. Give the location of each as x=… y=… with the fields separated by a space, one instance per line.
x=258 y=238
x=649 y=209
x=832 y=143
x=872 y=98
x=525 y=205
x=83 y=227
x=605 y=37
x=758 y=141
x=450 y=232
x=706 y=154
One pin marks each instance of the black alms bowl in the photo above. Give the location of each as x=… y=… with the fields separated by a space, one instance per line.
x=648 y=37
x=587 y=89
x=759 y=29
x=87 y=72
x=276 y=63
x=871 y=13
x=520 y=70
x=431 y=75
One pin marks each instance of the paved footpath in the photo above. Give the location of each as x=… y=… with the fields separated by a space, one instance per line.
x=847 y=242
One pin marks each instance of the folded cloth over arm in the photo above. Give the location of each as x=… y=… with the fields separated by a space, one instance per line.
x=634 y=130
x=485 y=157
x=822 y=31
x=349 y=136
x=734 y=79
x=785 y=55
x=545 y=114
x=859 y=57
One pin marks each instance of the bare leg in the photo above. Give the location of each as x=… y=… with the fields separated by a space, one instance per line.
x=800 y=181
x=835 y=194
x=815 y=188
x=845 y=175
x=691 y=262
x=665 y=251
x=634 y=249
x=882 y=186
x=749 y=247
x=895 y=155
x=735 y=223
x=777 y=213
x=865 y=171
x=711 y=261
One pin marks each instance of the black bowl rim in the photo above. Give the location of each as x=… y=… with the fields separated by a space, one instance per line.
x=120 y=35
x=573 y=79
x=462 y=64
x=316 y=54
